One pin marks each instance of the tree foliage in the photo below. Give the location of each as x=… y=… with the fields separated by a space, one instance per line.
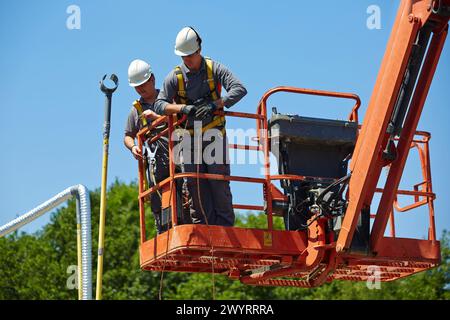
x=35 y=266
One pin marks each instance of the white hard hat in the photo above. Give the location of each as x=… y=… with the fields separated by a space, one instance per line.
x=138 y=72
x=187 y=42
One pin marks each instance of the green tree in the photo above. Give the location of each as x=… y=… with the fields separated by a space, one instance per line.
x=36 y=266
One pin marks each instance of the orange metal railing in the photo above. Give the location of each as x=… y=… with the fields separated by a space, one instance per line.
x=262 y=134
x=422 y=192
x=263 y=140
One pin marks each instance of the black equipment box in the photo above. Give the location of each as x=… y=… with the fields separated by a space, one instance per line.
x=312 y=146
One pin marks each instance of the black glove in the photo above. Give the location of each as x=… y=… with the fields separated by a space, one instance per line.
x=204 y=110
x=188 y=110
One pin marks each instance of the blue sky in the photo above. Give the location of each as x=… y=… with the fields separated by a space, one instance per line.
x=51 y=109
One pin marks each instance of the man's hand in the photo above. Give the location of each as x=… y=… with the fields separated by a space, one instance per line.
x=188 y=110
x=136 y=151
x=149 y=114
x=219 y=103
x=204 y=110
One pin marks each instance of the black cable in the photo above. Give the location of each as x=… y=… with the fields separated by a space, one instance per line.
x=167 y=242
x=319 y=200
x=206 y=221
x=332 y=185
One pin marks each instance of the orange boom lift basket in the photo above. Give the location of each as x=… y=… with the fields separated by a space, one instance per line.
x=318 y=253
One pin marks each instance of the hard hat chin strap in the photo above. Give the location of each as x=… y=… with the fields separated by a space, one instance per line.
x=199 y=40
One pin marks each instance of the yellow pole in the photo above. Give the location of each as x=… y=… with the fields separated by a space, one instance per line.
x=101 y=231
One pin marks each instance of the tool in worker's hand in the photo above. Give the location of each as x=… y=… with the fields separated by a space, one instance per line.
x=152 y=153
x=106 y=127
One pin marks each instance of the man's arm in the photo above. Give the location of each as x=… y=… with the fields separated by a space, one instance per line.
x=131 y=129
x=234 y=87
x=164 y=102
x=172 y=108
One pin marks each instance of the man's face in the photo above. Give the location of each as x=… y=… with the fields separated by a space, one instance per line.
x=147 y=89
x=193 y=61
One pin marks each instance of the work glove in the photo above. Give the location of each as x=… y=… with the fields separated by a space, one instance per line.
x=188 y=110
x=204 y=110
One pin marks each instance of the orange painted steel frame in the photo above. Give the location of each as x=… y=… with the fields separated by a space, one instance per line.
x=309 y=258
x=264 y=145
x=367 y=161
x=296 y=252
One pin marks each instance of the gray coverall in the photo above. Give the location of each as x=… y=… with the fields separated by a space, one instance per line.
x=160 y=167
x=215 y=195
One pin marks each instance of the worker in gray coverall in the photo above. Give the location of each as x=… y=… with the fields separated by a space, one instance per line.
x=194 y=89
x=140 y=77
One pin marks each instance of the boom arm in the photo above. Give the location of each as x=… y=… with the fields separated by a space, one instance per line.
x=394 y=110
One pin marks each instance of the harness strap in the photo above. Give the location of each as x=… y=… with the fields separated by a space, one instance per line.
x=211 y=83
x=181 y=88
x=218 y=121
x=138 y=106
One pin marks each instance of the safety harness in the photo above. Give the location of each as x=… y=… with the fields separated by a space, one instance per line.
x=148 y=165
x=215 y=91
x=138 y=106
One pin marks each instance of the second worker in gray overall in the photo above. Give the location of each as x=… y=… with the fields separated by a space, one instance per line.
x=142 y=79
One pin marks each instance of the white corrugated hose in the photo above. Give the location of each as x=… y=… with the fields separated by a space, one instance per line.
x=83 y=217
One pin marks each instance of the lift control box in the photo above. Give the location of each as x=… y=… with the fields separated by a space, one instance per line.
x=311 y=146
